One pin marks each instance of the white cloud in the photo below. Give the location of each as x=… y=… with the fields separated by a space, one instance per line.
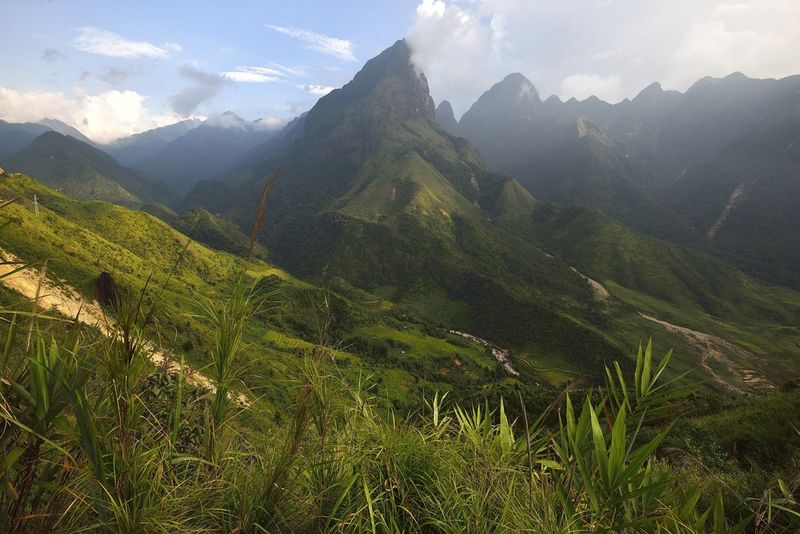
x=269 y=123
x=105 y=43
x=253 y=75
x=273 y=73
x=464 y=47
x=582 y=86
x=757 y=38
x=320 y=90
x=453 y=47
x=102 y=117
x=298 y=71
x=333 y=46
x=431 y=8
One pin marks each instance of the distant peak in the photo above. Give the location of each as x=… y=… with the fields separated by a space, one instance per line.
x=445 y=116
x=445 y=106
x=516 y=77
x=652 y=90
x=227 y=120
x=514 y=90
x=736 y=76
x=706 y=81
x=525 y=90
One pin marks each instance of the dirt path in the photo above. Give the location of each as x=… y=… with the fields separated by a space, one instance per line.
x=598 y=289
x=65 y=300
x=503 y=356
x=711 y=347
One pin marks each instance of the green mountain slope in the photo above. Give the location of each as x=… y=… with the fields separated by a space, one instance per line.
x=744 y=199
x=672 y=282
x=215 y=232
x=16 y=136
x=369 y=335
x=85 y=172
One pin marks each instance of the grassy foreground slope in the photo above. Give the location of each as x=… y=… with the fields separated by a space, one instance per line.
x=81 y=239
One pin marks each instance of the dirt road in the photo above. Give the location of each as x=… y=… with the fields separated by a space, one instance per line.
x=62 y=298
x=712 y=347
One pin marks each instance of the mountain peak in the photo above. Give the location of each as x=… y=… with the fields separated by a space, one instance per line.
x=736 y=76
x=389 y=88
x=227 y=120
x=445 y=116
x=652 y=91
x=85 y=172
x=516 y=85
x=64 y=128
x=514 y=98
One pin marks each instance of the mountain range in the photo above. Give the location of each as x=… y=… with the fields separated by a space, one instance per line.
x=714 y=167
x=553 y=228
x=85 y=172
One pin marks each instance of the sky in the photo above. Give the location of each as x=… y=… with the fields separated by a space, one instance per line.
x=116 y=68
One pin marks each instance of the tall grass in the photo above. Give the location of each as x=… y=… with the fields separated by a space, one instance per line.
x=94 y=438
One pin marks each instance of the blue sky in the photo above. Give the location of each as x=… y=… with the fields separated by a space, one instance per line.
x=96 y=47
x=115 y=68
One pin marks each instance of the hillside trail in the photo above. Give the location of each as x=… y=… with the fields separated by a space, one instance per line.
x=598 y=289
x=64 y=299
x=711 y=347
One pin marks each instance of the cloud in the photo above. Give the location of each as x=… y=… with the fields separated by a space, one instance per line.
x=298 y=71
x=582 y=86
x=320 y=90
x=333 y=46
x=269 y=123
x=431 y=8
x=51 y=55
x=757 y=38
x=102 y=117
x=206 y=86
x=253 y=74
x=453 y=47
x=105 y=43
x=564 y=47
x=272 y=73
x=115 y=76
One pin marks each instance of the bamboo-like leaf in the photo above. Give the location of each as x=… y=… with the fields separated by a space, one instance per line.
x=637 y=375
x=661 y=366
x=648 y=362
x=599 y=444
x=368 y=498
x=617 y=454
x=720 y=525
x=637 y=459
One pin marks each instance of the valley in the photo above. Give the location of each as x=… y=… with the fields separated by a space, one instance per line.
x=381 y=316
